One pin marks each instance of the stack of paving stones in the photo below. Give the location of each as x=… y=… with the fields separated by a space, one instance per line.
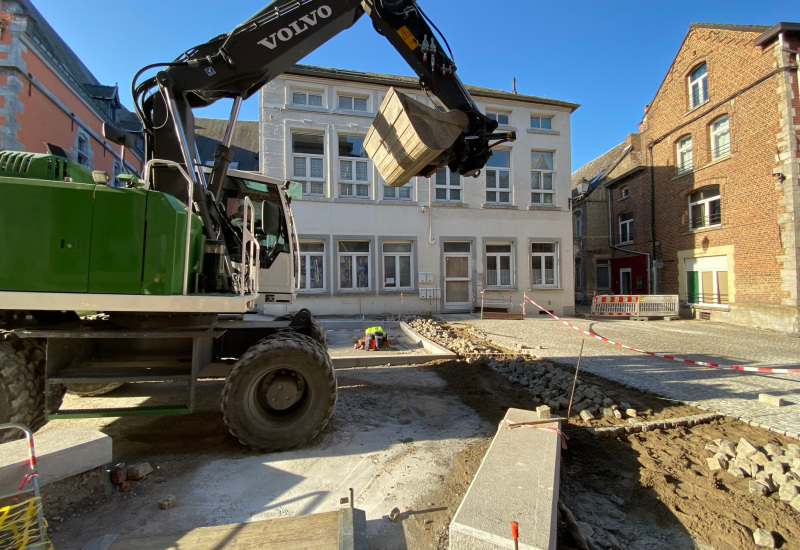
x=546 y=383
x=771 y=469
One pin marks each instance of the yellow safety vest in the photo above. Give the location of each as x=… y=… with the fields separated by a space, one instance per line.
x=373 y=330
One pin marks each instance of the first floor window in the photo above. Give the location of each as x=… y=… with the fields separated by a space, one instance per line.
x=720 y=138
x=312 y=265
x=603 y=271
x=354 y=167
x=83 y=149
x=578 y=223
x=403 y=193
x=707 y=280
x=353 y=265
x=498 y=265
x=397 y=265
x=543 y=264
x=308 y=162
x=501 y=118
x=542 y=188
x=307 y=98
x=578 y=273
x=705 y=208
x=498 y=177
x=626 y=227
x=448 y=185
x=684 y=155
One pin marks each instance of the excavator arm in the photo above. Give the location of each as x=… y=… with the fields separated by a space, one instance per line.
x=237 y=64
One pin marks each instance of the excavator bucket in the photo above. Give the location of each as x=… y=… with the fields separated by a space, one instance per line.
x=406 y=136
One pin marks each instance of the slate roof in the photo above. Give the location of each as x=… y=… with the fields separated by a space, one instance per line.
x=589 y=172
x=413 y=82
x=210 y=131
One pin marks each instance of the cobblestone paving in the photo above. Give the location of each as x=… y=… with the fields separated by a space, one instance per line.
x=729 y=392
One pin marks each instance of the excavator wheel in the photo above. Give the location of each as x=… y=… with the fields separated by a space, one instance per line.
x=22 y=393
x=317 y=332
x=92 y=390
x=280 y=393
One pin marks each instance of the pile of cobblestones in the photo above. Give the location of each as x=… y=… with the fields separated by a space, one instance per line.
x=771 y=468
x=546 y=383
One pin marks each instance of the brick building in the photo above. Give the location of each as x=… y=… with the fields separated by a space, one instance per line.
x=720 y=149
x=47 y=95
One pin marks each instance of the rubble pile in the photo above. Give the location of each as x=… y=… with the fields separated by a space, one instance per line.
x=546 y=383
x=442 y=335
x=771 y=469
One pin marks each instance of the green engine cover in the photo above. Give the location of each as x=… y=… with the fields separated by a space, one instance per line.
x=77 y=236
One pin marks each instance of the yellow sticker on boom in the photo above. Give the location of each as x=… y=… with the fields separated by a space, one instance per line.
x=407 y=37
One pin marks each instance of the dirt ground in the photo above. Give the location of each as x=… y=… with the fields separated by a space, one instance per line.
x=650 y=490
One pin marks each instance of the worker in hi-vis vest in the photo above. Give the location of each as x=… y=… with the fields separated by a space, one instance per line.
x=374 y=333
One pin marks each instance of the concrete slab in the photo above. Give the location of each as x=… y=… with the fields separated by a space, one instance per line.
x=517 y=481
x=59 y=454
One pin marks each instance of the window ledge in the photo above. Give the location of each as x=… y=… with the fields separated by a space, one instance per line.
x=720 y=307
x=399 y=291
x=541 y=288
x=682 y=174
x=492 y=206
x=506 y=128
x=450 y=204
x=704 y=229
x=501 y=289
x=309 y=108
x=543 y=207
x=716 y=161
x=317 y=198
x=625 y=243
x=544 y=131
x=349 y=112
x=313 y=293
x=354 y=200
x=398 y=202
x=350 y=292
x=693 y=109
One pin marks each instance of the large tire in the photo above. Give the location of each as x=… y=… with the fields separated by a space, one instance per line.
x=317 y=332
x=92 y=390
x=280 y=393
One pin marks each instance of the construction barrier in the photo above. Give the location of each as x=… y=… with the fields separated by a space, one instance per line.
x=636 y=306
x=663 y=356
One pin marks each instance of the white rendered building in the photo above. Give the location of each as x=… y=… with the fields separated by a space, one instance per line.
x=436 y=244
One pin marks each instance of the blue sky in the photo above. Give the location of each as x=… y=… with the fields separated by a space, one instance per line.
x=608 y=56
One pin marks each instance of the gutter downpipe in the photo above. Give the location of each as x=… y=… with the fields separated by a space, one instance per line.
x=654 y=269
x=612 y=245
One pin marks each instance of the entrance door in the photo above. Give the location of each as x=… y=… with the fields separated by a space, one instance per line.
x=457 y=279
x=625 y=287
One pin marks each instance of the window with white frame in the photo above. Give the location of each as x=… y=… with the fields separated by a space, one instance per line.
x=498 y=177
x=544 y=267
x=398 y=193
x=313 y=99
x=308 y=162
x=353 y=265
x=625 y=227
x=603 y=274
x=82 y=149
x=354 y=167
x=705 y=208
x=501 y=118
x=541 y=122
x=698 y=86
x=312 y=266
x=578 y=224
x=720 y=137
x=542 y=185
x=498 y=265
x=352 y=103
x=684 y=155
x=397 y=267
x=624 y=193
x=448 y=185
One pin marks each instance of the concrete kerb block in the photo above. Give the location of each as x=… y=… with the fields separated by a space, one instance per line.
x=518 y=480
x=60 y=453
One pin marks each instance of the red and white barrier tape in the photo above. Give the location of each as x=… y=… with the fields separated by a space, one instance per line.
x=680 y=360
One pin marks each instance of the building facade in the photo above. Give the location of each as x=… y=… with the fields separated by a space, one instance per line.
x=719 y=144
x=437 y=244
x=48 y=96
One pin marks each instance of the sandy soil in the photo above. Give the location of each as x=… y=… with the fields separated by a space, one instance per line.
x=645 y=491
